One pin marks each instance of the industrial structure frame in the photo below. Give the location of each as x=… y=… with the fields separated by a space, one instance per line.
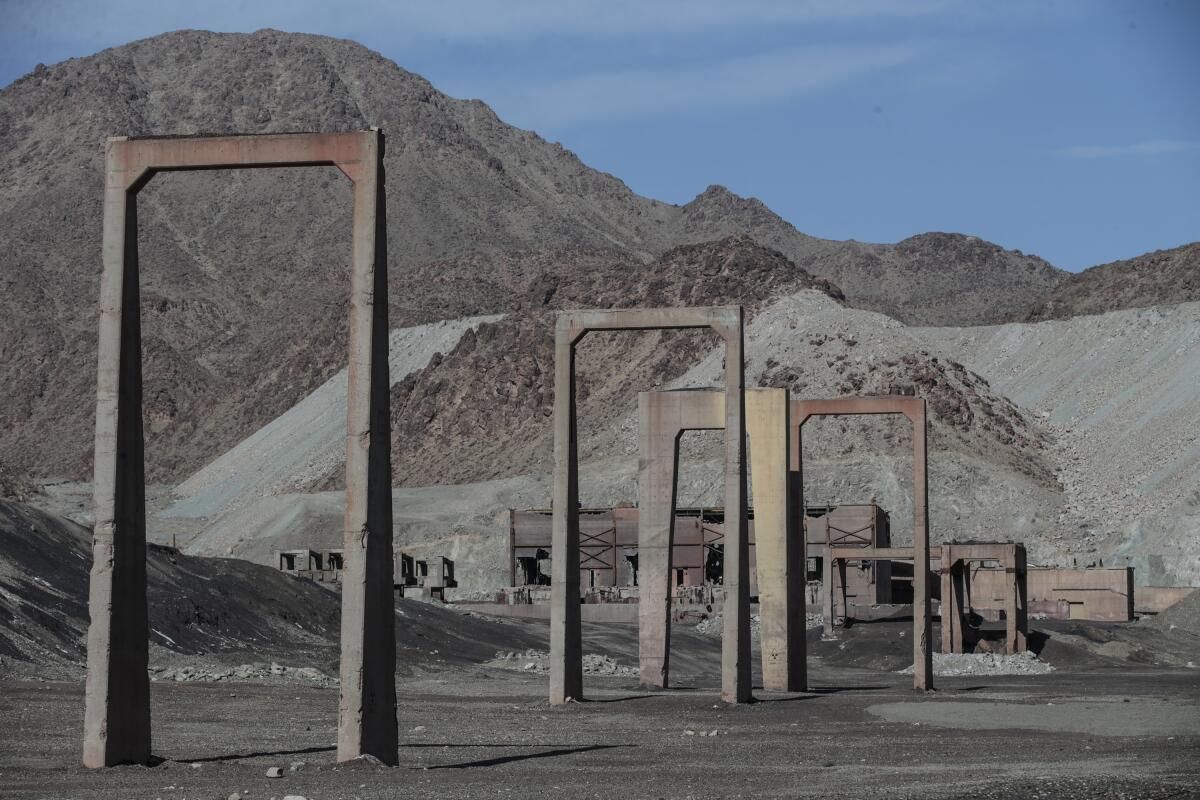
x=663 y=418
x=117 y=714
x=566 y=650
x=913 y=408
x=954 y=560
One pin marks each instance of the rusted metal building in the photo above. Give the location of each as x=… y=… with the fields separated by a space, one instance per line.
x=608 y=552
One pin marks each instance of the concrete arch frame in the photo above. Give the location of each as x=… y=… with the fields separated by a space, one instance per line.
x=663 y=417
x=117 y=713
x=566 y=649
x=914 y=409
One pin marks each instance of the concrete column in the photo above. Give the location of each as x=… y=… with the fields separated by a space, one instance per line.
x=1010 y=610
x=735 y=639
x=839 y=582
x=953 y=578
x=367 y=705
x=117 y=713
x=778 y=549
x=658 y=476
x=947 y=612
x=922 y=623
x=1022 y=575
x=1014 y=606
x=827 y=589
x=566 y=647
x=959 y=577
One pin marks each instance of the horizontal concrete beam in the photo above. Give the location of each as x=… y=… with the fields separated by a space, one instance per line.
x=138 y=159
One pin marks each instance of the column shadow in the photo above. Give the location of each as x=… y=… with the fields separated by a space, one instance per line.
x=498 y=760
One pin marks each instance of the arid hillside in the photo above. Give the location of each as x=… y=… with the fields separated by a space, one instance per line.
x=1164 y=277
x=245 y=274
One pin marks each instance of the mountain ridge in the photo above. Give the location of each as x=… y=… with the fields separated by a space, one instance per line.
x=245 y=273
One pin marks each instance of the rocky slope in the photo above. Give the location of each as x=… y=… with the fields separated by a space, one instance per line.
x=1078 y=437
x=1163 y=277
x=492 y=438
x=1117 y=395
x=210 y=618
x=196 y=605
x=245 y=274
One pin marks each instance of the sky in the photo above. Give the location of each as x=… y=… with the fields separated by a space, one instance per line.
x=1066 y=129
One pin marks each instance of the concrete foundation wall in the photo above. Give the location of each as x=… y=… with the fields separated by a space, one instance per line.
x=1095 y=594
x=1156 y=599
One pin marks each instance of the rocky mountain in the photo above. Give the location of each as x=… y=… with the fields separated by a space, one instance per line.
x=245 y=274
x=929 y=279
x=1164 y=277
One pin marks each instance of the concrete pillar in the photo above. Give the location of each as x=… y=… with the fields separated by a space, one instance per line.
x=1010 y=610
x=827 y=590
x=566 y=648
x=735 y=639
x=117 y=694
x=367 y=705
x=1015 y=612
x=947 y=613
x=658 y=473
x=953 y=578
x=1022 y=576
x=922 y=621
x=779 y=550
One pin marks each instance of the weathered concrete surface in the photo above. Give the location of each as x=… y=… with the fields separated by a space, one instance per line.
x=663 y=417
x=117 y=715
x=367 y=708
x=780 y=549
x=566 y=675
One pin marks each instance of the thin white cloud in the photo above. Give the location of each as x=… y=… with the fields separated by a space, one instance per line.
x=1153 y=147
x=650 y=91
x=486 y=20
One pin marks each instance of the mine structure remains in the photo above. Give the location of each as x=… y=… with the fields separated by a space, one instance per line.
x=117 y=713
x=653 y=563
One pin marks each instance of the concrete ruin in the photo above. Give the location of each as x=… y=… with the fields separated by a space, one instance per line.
x=609 y=556
x=862 y=582
x=322 y=566
x=117 y=715
x=663 y=418
x=958 y=589
x=912 y=408
x=1104 y=594
x=566 y=656
x=425 y=578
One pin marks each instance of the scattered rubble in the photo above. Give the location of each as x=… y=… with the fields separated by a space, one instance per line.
x=712 y=626
x=244 y=672
x=538 y=662
x=948 y=665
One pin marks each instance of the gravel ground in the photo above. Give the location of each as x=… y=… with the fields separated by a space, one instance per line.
x=490 y=733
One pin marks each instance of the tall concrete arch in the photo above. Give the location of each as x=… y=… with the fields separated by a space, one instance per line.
x=913 y=409
x=566 y=649
x=117 y=714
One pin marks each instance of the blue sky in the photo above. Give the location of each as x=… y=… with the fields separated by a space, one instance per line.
x=1066 y=129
